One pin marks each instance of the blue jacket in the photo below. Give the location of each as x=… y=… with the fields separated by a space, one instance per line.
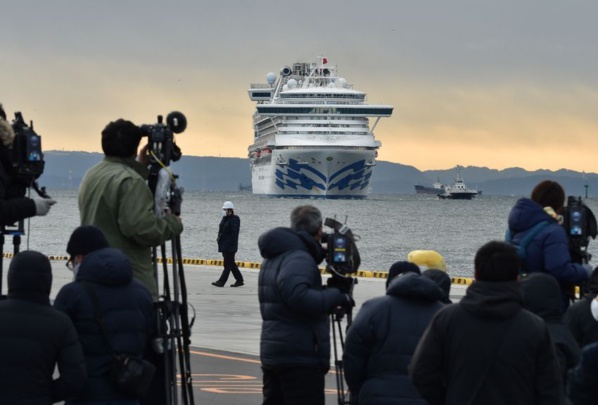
x=549 y=251
x=293 y=303
x=126 y=306
x=383 y=337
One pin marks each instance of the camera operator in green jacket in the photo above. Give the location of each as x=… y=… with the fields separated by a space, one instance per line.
x=115 y=197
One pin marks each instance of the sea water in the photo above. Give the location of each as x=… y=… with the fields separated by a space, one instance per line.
x=389 y=226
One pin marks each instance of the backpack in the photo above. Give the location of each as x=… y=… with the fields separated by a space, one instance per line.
x=522 y=245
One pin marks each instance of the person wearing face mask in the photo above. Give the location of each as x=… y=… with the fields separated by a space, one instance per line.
x=228 y=242
x=124 y=304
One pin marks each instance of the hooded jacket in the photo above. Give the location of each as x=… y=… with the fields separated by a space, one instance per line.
x=539 y=290
x=548 y=252
x=293 y=303
x=581 y=322
x=126 y=307
x=114 y=197
x=383 y=337
x=34 y=338
x=487 y=339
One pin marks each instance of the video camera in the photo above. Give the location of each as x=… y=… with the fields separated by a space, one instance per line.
x=162 y=148
x=580 y=224
x=27 y=159
x=342 y=257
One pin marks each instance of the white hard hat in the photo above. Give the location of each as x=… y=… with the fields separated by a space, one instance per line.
x=228 y=206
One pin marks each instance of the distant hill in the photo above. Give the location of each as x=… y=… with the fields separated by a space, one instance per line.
x=203 y=173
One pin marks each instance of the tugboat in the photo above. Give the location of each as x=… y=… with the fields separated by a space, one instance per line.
x=458 y=191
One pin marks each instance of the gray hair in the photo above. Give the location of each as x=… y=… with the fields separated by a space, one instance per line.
x=306 y=218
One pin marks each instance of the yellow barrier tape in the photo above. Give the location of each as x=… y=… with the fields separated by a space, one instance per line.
x=253 y=265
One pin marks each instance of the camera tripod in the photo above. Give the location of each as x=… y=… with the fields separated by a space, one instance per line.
x=345 y=284
x=174 y=327
x=17 y=230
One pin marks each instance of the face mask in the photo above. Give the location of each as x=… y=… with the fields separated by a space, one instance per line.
x=223 y=213
x=594 y=307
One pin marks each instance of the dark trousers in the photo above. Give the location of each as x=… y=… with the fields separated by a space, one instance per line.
x=293 y=386
x=230 y=267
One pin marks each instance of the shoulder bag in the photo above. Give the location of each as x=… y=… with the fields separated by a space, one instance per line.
x=131 y=375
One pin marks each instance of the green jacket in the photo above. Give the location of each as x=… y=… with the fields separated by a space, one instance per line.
x=115 y=197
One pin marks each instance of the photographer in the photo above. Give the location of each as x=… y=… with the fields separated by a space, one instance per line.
x=548 y=251
x=14 y=206
x=114 y=197
x=295 y=337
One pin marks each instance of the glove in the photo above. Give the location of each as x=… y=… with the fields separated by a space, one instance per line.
x=42 y=205
x=345 y=306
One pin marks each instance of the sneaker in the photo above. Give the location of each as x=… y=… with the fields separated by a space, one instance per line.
x=217 y=284
x=237 y=284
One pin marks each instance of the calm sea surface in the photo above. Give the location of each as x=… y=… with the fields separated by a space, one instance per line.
x=390 y=226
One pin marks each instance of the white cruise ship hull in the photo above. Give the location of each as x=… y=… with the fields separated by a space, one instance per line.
x=311 y=173
x=312 y=134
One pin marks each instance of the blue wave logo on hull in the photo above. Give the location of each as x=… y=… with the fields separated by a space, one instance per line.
x=352 y=177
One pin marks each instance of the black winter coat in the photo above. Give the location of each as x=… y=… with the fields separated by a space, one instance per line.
x=381 y=340
x=228 y=234
x=539 y=292
x=126 y=306
x=293 y=303
x=34 y=338
x=580 y=321
x=460 y=349
x=583 y=379
x=13 y=204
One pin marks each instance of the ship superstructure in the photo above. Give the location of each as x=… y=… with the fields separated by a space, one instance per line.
x=312 y=136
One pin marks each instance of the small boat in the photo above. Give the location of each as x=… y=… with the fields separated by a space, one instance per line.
x=458 y=191
x=436 y=188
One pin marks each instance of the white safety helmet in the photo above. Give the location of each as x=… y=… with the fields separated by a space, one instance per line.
x=228 y=206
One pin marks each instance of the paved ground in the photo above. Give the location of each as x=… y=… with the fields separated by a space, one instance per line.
x=225 y=336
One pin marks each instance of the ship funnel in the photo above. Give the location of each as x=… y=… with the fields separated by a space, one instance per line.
x=286 y=71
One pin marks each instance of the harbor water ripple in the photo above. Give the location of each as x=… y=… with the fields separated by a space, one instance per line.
x=389 y=226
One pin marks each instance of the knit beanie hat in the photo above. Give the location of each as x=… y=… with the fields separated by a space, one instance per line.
x=400 y=268
x=86 y=239
x=29 y=273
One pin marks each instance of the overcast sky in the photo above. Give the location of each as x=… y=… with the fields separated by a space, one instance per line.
x=485 y=83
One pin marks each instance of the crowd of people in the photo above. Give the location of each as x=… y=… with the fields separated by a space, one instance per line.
x=514 y=338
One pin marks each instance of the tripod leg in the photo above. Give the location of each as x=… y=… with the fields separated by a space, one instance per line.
x=182 y=326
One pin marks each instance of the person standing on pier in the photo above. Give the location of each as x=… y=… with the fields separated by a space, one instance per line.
x=295 y=337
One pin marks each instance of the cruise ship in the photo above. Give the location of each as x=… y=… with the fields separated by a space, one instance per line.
x=312 y=134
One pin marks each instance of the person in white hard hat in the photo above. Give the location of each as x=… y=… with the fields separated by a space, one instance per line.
x=228 y=241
